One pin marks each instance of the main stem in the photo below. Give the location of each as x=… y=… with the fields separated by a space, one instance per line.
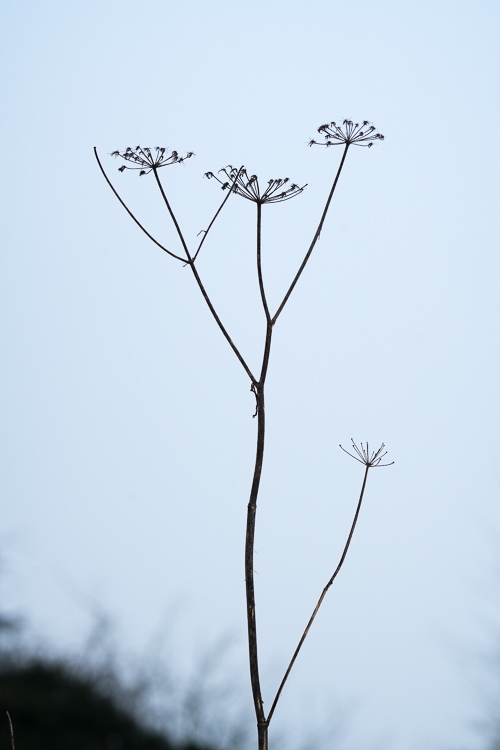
x=250 y=590
x=258 y=389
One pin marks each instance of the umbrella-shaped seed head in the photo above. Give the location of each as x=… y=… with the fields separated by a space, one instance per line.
x=347 y=134
x=248 y=187
x=363 y=455
x=147 y=159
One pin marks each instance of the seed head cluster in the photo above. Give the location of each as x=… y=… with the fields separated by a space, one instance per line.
x=148 y=159
x=363 y=455
x=349 y=133
x=248 y=186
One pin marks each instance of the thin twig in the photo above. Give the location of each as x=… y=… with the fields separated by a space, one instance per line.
x=206 y=231
x=187 y=260
x=259 y=263
x=172 y=216
x=219 y=323
x=306 y=631
x=11 y=731
x=315 y=238
x=199 y=282
x=127 y=209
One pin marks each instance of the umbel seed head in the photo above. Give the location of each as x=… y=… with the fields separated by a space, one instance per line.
x=146 y=159
x=248 y=186
x=363 y=455
x=349 y=133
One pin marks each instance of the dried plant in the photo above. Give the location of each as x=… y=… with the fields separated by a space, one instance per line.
x=11 y=731
x=239 y=182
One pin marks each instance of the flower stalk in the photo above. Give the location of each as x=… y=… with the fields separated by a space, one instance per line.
x=239 y=182
x=372 y=462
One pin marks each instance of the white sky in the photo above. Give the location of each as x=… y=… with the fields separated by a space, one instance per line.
x=128 y=442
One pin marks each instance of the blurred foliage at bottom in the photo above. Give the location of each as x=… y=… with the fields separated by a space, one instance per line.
x=54 y=706
x=95 y=697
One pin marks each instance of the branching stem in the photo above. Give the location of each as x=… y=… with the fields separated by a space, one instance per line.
x=188 y=259
x=127 y=209
x=199 y=282
x=258 y=389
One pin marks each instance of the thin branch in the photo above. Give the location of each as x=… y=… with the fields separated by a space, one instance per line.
x=315 y=238
x=172 y=216
x=11 y=731
x=221 y=326
x=177 y=257
x=306 y=631
x=200 y=284
x=205 y=232
x=259 y=263
x=267 y=353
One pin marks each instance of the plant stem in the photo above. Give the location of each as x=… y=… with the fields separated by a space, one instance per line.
x=259 y=264
x=205 y=232
x=127 y=209
x=172 y=216
x=323 y=594
x=199 y=282
x=249 y=581
x=219 y=323
x=258 y=388
x=315 y=238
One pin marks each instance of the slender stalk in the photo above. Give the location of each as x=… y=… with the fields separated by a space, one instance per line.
x=11 y=731
x=219 y=323
x=315 y=238
x=172 y=216
x=323 y=594
x=205 y=232
x=177 y=257
x=259 y=263
x=199 y=282
x=258 y=388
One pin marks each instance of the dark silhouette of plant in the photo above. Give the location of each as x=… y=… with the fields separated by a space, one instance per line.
x=99 y=698
x=240 y=183
x=52 y=705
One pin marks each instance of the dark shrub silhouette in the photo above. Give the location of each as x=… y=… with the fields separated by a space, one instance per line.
x=55 y=706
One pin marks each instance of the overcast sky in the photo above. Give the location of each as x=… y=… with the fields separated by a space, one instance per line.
x=128 y=439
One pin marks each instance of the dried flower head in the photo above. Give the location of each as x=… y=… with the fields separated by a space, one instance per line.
x=248 y=186
x=364 y=457
x=147 y=159
x=349 y=133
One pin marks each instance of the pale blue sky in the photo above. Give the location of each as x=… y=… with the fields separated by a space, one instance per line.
x=128 y=440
